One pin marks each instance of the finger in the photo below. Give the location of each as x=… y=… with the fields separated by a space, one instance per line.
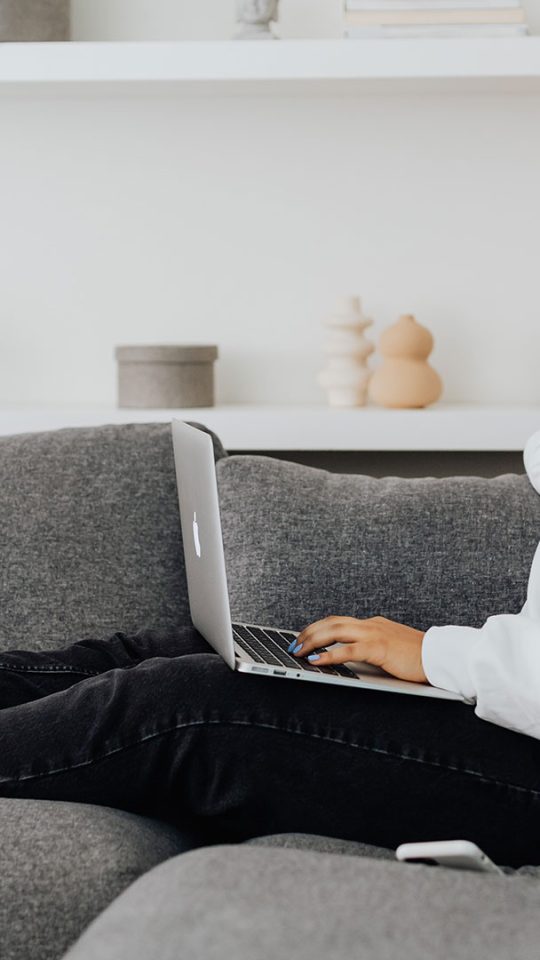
x=309 y=631
x=317 y=624
x=340 y=654
x=325 y=632
x=312 y=639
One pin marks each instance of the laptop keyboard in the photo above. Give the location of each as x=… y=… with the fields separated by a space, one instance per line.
x=270 y=646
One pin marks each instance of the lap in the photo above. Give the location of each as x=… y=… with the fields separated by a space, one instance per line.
x=183 y=668
x=295 y=756
x=421 y=729
x=356 y=763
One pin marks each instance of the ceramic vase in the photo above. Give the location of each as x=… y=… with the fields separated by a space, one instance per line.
x=254 y=18
x=346 y=375
x=405 y=378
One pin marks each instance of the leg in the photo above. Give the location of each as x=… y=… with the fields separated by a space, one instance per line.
x=28 y=675
x=187 y=738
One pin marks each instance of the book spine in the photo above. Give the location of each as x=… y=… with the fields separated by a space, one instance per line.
x=429 y=17
x=375 y=6
x=415 y=32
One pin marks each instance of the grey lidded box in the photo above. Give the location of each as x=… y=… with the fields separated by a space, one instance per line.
x=166 y=376
x=28 y=20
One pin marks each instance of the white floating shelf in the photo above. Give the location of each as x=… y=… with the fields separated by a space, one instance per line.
x=285 y=67
x=443 y=427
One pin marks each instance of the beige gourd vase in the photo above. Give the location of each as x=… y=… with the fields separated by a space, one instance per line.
x=405 y=378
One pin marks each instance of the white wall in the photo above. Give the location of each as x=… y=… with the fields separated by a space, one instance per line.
x=207 y=19
x=152 y=19
x=238 y=222
x=193 y=19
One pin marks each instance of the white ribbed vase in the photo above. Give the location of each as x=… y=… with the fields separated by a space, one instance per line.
x=346 y=375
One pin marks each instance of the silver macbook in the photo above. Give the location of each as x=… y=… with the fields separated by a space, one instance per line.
x=247 y=647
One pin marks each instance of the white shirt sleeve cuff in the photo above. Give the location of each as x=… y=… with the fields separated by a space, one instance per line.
x=531 y=459
x=445 y=658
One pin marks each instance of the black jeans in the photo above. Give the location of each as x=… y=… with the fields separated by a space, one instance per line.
x=159 y=725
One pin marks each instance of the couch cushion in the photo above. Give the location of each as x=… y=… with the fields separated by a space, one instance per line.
x=309 y=841
x=91 y=537
x=302 y=543
x=248 y=902
x=353 y=848
x=61 y=864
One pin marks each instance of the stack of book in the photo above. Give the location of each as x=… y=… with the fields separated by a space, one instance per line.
x=369 y=19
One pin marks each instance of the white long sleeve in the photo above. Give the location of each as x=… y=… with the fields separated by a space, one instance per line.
x=497 y=665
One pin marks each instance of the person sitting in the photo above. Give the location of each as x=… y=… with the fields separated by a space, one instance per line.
x=159 y=725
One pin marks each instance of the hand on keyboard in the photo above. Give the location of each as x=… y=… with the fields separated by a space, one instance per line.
x=384 y=643
x=272 y=646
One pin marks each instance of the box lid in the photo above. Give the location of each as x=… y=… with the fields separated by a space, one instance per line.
x=166 y=353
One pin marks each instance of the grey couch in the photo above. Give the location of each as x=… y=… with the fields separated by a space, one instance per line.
x=91 y=544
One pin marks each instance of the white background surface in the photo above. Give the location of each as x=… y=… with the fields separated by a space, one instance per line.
x=238 y=221
x=208 y=19
x=193 y=19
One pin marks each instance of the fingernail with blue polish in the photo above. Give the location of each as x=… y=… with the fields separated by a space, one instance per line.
x=291 y=646
x=314 y=656
x=299 y=647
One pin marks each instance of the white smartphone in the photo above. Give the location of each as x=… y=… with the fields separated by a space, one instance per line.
x=460 y=854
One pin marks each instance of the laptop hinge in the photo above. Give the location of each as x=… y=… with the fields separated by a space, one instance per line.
x=242 y=654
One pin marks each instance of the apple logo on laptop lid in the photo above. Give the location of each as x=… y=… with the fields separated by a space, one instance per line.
x=196 y=535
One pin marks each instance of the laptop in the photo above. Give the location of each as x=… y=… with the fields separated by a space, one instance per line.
x=246 y=647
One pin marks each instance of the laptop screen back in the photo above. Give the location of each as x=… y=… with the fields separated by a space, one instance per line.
x=202 y=539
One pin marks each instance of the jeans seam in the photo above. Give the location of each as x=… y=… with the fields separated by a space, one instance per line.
x=52 y=668
x=269 y=726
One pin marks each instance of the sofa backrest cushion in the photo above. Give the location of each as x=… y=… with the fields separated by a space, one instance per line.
x=302 y=544
x=90 y=534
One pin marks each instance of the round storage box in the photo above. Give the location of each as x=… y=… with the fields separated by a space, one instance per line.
x=166 y=376
x=22 y=20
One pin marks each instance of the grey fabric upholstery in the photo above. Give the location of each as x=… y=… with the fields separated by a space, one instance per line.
x=350 y=848
x=302 y=544
x=61 y=864
x=91 y=537
x=307 y=841
x=91 y=544
x=255 y=903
